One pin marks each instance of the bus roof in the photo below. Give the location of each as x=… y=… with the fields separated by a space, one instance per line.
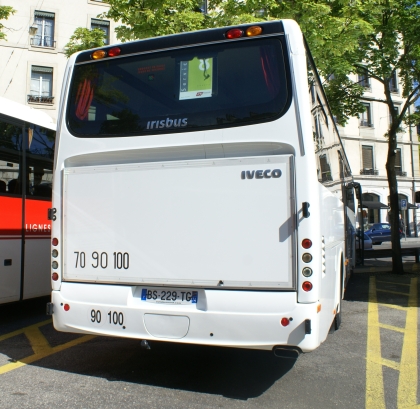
x=24 y=113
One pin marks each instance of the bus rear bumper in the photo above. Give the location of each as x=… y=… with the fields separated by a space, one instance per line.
x=242 y=319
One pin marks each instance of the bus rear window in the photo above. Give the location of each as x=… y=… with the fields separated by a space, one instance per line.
x=206 y=87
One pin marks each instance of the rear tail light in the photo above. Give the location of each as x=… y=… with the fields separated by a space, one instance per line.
x=54 y=241
x=54 y=276
x=307 y=286
x=306 y=244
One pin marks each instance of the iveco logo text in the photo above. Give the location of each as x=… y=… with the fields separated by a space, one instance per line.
x=168 y=123
x=260 y=174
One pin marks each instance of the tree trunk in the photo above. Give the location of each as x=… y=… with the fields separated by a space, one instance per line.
x=397 y=264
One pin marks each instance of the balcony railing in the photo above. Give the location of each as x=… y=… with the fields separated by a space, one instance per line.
x=40 y=99
x=366 y=123
x=42 y=42
x=400 y=173
x=374 y=172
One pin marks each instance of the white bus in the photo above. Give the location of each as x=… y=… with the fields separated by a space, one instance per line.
x=27 y=138
x=198 y=191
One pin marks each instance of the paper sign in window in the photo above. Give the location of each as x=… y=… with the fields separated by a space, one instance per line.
x=196 y=78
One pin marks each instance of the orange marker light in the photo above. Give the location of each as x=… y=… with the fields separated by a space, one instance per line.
x=253 y=31
x=318 y=308
x=98 y=54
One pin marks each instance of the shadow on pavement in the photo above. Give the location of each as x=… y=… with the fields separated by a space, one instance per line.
x=230 y=372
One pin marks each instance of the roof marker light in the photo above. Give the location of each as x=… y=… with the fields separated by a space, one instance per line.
x=98 y=54
x=253 y=31
x=234 y=33
x=114 y=51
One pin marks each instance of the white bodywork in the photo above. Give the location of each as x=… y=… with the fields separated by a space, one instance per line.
x=177 y=204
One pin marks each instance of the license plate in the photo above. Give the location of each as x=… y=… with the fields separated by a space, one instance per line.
x=169 y=296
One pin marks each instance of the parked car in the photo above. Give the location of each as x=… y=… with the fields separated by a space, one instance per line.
x=367 y=241
x=379 y=232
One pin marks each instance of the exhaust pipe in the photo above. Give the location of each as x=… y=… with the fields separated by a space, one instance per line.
x=286 y=352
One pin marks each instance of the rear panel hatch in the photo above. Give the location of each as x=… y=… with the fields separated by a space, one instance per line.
x=199 y=223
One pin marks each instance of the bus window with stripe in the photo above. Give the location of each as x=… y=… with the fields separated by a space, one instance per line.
x=210 y=87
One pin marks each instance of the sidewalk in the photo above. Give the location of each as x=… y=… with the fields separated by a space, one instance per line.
x=384 y=265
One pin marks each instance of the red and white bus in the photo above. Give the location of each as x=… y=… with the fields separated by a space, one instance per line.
x=27 y=139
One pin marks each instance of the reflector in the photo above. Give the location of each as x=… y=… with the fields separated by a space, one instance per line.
x=66 y=307
x=284 y=322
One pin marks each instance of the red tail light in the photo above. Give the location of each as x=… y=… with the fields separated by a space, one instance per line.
x=306 y=243
x=54 y=241
x=307 y=286
x=234 y=33
x=54 y=276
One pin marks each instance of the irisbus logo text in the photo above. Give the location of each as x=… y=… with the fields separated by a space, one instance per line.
x=168 y=123
x=261 y=174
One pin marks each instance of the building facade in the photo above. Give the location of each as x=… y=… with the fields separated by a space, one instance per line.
x=367 y=147
x=32 y=59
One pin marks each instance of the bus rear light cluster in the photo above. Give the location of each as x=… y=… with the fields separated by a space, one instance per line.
x=99 y=54
x=307 y=286
x=54 y=276
x=238 y=33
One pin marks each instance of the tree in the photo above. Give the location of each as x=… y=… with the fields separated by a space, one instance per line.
x=83 y=39
x=5 y=12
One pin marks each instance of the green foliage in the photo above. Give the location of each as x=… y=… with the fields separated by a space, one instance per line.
x=84 y=39
x=149 y=18
x=5 y=12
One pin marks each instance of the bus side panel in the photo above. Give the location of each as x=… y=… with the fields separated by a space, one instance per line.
x=10 y=248
x=37 y=281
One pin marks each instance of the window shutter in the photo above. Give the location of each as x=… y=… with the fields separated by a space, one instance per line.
x=367 y=157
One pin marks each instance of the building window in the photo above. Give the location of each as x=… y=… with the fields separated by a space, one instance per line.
x=41 y=85
x=363 y=79
x=325 y=168
x=398 y=163
x=44 y=36
x=367 y=157
x=101 y=25
x=393 y=84
x=365 y=116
